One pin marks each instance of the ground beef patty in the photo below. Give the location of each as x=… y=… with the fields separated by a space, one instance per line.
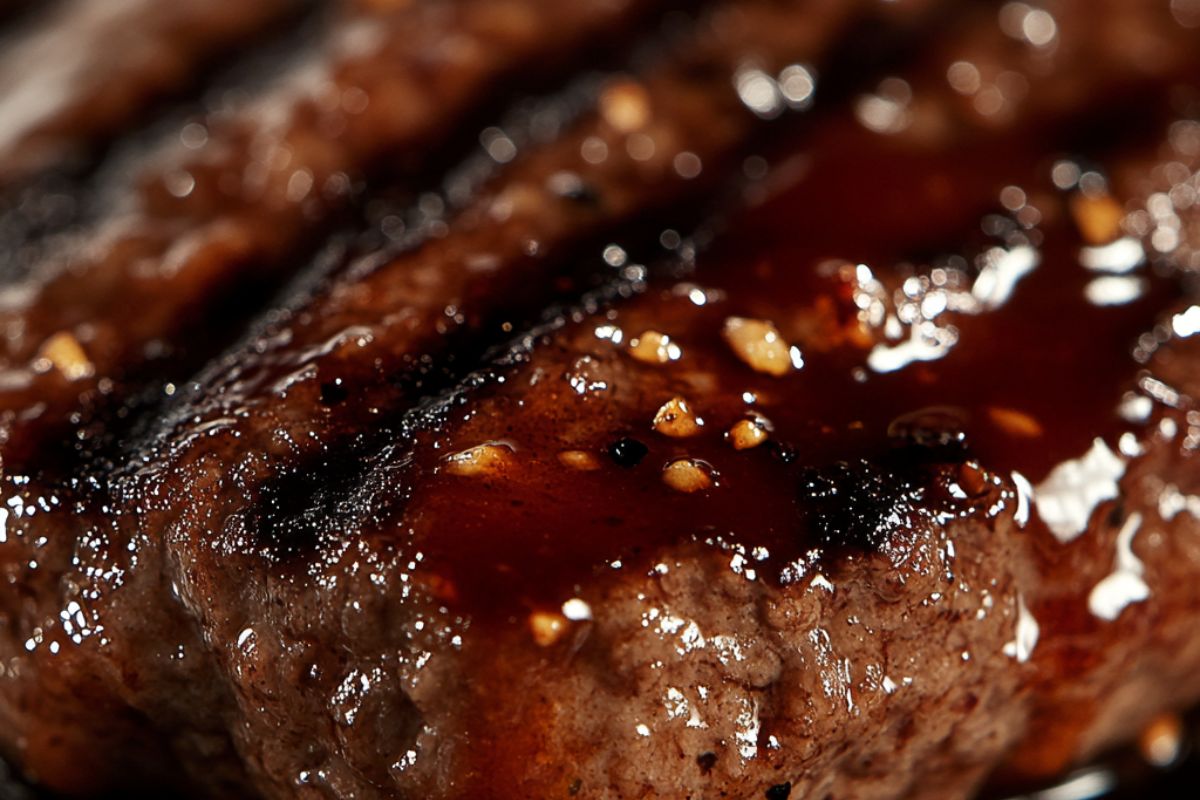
x=807 y=413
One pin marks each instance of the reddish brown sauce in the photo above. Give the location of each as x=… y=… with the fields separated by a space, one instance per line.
x=919 y=310
x=863 y=438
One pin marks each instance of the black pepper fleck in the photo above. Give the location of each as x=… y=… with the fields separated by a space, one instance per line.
x=934 y=428
x=707 y=761
x=628 y=452
x=780 y=791
x=333 y=392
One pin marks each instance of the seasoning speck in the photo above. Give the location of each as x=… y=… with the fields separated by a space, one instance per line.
x=547 y=627
x=688 y=475
x=759 y=344
x=748 y=433
x=653 y=347
x=676 y=419
x=484 y=459
x=581 y=460
x=63 y=352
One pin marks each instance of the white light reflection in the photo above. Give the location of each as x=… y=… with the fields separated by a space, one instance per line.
x=1000 y=272
x=759 y=92
x=767 y=97
x=1114 y=290
x=1086 y=785
x=1125 y=585
x=1039 y=28
x=1024 y=499
x=1066 y=499
x=1186 y=323
x=1123 y=255
x=964 y=77
x=886 y=111
x=1026 y=23
x=1172 y=502
x=577 y=610
x=926 y=342
x=797 y=84
x=1026 y=639
x=1135 y=407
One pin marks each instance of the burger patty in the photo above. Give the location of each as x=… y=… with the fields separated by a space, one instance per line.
x=803 y=410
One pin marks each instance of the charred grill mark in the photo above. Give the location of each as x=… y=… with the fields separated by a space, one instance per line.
x=445 y=301
x=925 y=469
x=306 y=439
x=298 y=511
x=411 y=378
x=216 y=243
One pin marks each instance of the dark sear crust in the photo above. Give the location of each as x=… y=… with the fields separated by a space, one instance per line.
x=228 y=211
x=763 y=524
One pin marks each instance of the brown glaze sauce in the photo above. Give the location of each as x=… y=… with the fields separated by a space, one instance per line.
x=900 y=329
x=867 y=436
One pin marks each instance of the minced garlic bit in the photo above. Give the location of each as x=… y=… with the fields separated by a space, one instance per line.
x=688 y=475
x=677 y=419
x=1016 y=423
x=758 y=343
x=748 y=433
x=625 y=105
x=653 y=347
x=63 y=352
x=1098 y=218
x=484 y=459
x=581 y=460
x=547 y=627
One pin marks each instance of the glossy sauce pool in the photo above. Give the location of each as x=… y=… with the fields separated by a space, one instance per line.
x=947 y=347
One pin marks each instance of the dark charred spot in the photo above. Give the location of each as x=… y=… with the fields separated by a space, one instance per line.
x=305 y=505
x=628 y=452
x=780 y=791
x=856 y=503
x=575 y=786
x=706 y=761
x=932 y=428
x=781 y=451
x=333 y=392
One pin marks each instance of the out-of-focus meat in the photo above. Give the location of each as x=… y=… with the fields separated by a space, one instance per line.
x=87 y=70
